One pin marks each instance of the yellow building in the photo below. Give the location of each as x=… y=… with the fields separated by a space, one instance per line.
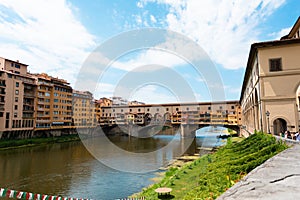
x=270 y=91
x=54 y=103
x=83 y=109
x=17 y=99
x=100 y=116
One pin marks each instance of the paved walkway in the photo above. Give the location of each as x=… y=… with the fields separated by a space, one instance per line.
x=277 y=178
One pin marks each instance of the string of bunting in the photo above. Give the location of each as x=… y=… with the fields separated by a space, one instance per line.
x=4 y=192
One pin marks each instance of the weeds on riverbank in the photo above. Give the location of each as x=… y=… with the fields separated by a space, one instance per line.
x=211 y=175
x=5 y=144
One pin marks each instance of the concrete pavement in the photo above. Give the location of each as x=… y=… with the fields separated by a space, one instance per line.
x=277 y=178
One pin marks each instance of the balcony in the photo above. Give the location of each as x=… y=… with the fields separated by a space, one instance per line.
x=28 y=110
x=29 y=95
x=43 y=120
x=45 y=83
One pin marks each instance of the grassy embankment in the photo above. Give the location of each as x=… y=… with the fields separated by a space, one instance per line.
x=211 y=175
x=9 y=144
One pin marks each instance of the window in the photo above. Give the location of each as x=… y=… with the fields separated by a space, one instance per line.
x=9 y=75
x=17 y=84
x=17 y=92
x=17 y=66
x=209 y=108
x=139 y=110
x=47 y=94
x=157 y=109
x=167 y=109
x=232 y=107
x=56 y=100
x=16 y=107
x=221 y=107
x=275 y=64
x=15 y=114
x=177 y=109
x=7 y=124
x=16 y=99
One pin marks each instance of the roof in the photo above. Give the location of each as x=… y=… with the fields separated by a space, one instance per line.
x=253 y=51
x=15 y=61
x=293 y=31
x=176 y=104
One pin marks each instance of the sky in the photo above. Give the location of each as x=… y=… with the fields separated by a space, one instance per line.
x=100 y=39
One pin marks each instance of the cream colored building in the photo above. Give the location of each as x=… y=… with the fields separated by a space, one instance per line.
x=83 y=109
x=270 y=91
x=17 y=100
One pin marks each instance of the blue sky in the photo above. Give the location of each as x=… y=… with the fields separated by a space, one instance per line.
x=57 y=36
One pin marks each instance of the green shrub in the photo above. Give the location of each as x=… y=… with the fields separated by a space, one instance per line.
x=211 y=175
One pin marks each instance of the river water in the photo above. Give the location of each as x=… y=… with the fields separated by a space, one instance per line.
x=70 y=170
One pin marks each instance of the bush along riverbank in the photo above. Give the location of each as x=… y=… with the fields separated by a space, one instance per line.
x=211 y=175
x=10 y=144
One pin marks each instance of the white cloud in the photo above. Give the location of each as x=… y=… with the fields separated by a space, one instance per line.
x=153 y=19
x=137 y=61
x=281 y=33
x=151 y=94
x=44 y=34
x=225 y=29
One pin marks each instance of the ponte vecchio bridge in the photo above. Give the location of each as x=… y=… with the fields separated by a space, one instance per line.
x=188 y=116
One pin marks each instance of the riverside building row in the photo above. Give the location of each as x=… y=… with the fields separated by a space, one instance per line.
x=34 y=105
x=38 y=104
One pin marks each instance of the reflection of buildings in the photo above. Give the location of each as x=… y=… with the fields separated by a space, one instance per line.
x=185 y=113
x=271 y=85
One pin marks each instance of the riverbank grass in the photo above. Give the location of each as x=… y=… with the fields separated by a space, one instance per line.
x=211 y=175
x=10 y=144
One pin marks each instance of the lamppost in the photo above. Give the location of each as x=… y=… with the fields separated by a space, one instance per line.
x=268 y=121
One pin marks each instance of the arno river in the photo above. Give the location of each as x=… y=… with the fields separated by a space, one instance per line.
x=69 y=169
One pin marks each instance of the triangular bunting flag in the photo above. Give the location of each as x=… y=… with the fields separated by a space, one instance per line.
x=45 y=197
x=19 y=195
x=29 y=196
x=10 y=193
x=37 y=197
x=2 y=192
